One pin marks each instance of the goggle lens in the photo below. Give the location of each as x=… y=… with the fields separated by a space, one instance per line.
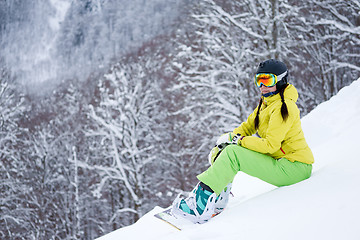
x=266 y=79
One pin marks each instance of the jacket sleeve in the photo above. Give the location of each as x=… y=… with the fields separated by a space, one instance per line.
x=274 y=136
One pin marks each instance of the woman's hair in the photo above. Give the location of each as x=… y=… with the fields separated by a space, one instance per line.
x=284 y=109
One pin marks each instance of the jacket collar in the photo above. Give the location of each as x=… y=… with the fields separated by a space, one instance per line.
x=290 y=93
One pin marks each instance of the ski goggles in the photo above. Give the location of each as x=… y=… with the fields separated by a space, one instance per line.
x=268 y=79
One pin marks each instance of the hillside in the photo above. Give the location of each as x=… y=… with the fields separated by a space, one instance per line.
x=326 y=206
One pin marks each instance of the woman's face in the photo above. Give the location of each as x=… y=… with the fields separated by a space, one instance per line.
x=265 y=90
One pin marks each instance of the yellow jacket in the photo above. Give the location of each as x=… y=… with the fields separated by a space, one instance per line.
x=279 y=139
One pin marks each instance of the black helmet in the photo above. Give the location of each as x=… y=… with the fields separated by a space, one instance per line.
x=275 y=67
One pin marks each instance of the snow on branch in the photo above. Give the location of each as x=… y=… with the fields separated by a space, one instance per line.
x=340 y=26
x=344 y=65
x=112 y=219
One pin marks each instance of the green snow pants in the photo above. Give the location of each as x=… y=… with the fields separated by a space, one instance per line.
x=278 y=172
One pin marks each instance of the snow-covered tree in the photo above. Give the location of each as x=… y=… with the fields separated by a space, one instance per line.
x=330 y=49
x=121 y=132
x=11 y=107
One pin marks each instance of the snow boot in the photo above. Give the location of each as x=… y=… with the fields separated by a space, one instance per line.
x=198 y=207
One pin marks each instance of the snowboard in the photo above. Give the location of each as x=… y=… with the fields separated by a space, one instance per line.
x=177 y=222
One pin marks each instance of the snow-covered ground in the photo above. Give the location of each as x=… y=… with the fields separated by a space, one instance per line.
x=326 y=206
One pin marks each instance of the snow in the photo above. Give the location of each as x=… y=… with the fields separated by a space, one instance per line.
x=326 y=206
x=60 y=7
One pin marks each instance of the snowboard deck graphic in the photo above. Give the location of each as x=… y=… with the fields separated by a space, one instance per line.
x=175 y=221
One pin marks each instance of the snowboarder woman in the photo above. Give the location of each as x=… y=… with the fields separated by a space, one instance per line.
x=280 y=156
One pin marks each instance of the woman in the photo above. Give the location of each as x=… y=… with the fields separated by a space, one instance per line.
x=280 y=156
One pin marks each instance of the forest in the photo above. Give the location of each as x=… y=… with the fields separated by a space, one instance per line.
x=93 y=155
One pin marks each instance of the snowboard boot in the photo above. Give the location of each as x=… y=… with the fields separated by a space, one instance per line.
x=198 y=207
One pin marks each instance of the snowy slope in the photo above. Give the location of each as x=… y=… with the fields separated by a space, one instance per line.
x=326 y=206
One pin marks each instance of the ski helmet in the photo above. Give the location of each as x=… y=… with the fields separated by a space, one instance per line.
x=275 y=67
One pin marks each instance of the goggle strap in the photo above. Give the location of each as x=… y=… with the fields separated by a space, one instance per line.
x=281 y=76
